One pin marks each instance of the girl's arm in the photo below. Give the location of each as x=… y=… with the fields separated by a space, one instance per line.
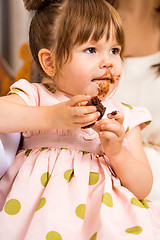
x=132 y=166
x=129 y=163
x=16 y=116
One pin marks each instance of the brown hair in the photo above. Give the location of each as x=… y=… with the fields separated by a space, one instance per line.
x=59 y=25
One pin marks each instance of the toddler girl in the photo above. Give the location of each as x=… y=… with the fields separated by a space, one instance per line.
x=70 y=182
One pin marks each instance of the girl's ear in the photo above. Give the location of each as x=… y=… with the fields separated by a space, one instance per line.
x=46 y=60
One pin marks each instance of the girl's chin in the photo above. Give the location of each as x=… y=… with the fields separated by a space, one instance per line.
x=92 y=92
x=100 y=96
x=96 y=93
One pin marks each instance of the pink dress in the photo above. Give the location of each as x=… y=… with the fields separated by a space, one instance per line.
x=61 y=185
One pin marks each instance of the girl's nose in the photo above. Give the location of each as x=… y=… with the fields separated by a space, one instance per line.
x=106 y=63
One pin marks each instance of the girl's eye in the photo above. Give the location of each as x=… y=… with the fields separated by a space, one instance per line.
x=90 y=50
x=115 y=51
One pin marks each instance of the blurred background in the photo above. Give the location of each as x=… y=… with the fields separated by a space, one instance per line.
x=14 y=24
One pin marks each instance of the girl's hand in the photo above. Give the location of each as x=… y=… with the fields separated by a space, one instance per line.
x=73 y=113
x=111 y=133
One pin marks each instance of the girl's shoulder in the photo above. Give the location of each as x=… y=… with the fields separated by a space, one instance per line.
x=133 y=115
x=37 y=94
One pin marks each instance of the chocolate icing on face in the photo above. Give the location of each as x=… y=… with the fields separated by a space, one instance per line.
x=103 y=87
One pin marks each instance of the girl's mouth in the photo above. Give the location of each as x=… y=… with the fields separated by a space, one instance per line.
x=104 y=82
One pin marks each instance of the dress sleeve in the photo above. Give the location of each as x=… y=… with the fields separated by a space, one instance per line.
x=27 y=91
x=136 y=116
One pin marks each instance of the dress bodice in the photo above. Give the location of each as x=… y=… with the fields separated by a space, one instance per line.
x=36 y=94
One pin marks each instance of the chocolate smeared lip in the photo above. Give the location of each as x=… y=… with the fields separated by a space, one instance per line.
x=104 y=83
x=104 y=78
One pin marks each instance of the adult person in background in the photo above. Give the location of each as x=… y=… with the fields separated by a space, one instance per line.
x=140 y=82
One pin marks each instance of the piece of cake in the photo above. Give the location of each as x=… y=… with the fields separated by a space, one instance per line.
x=95 y=101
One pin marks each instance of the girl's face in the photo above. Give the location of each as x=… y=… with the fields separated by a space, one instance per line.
x=94 y=69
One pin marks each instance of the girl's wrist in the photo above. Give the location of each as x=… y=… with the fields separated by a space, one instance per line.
x=48 y=117
x=118 y=158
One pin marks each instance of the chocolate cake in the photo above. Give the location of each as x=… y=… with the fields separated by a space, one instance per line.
x=95 y=101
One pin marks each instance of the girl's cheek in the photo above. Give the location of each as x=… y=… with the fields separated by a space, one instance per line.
x=91 y=90
x=117 y=72
x=94 y=90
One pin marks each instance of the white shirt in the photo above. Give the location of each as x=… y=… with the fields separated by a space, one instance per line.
x=140 y=86
x=8 y=147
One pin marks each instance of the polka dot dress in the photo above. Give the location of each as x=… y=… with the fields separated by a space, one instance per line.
x=61 y=185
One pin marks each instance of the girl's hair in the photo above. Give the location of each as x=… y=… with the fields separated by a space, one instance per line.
x=58 y=25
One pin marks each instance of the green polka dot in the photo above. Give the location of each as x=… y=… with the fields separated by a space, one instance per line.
x=27 y=152
x=41 y=203
x=127 y=129
x=68 y=175
x=144 y=202
x=84 y=152
x=53 y=236
x=51 y=89
x=45 y=178
x=127 y=105
x=134 y=230
x=93 y=178
x=12 y=207
x=94 y=237
x=137 y=203
x=15 y=90
x=80 y=211
x=148 y=122
x=107 y=199
x=43 y=148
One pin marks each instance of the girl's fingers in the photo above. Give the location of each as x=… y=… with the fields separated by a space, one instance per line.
x=80 y=111
x=106 y=126
x=78 y=105
x=78 y=100
x=97 y=127
x=87 y=119
x=116 y=132
x=116 y=115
